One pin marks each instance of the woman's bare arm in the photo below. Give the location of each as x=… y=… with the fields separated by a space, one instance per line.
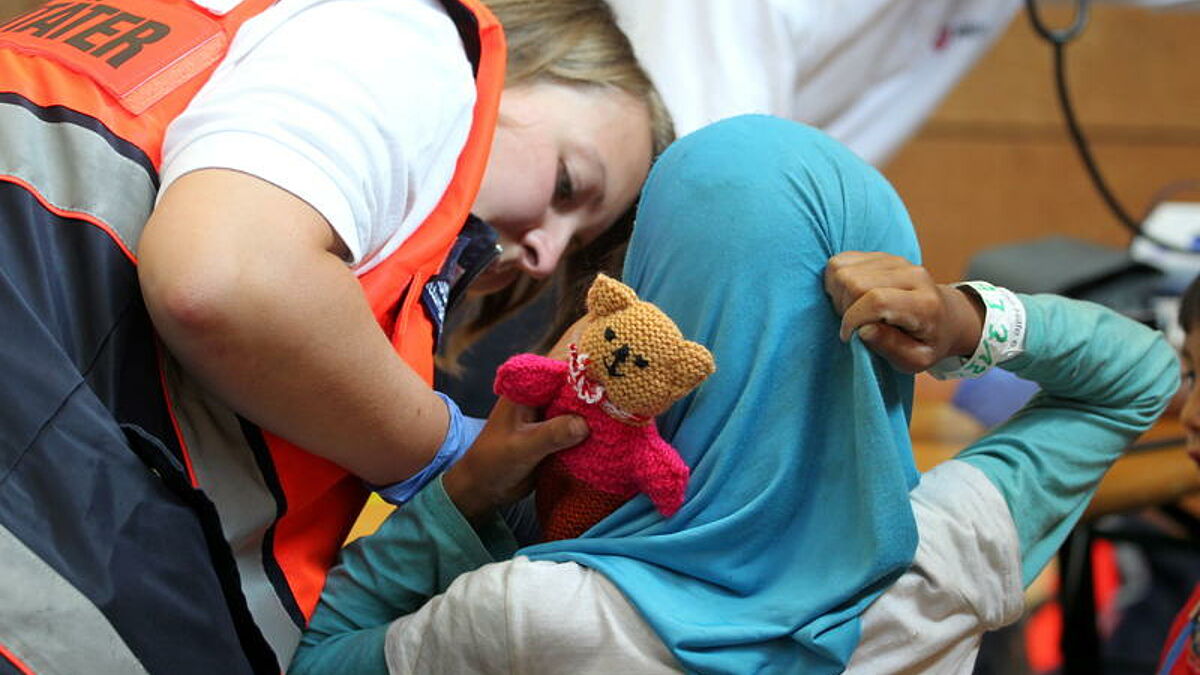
x=246 y=285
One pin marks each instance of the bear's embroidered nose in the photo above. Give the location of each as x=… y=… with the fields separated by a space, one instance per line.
x=620 y=356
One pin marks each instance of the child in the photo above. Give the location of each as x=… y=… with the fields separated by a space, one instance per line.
x=807 y=541
x=1181 y=653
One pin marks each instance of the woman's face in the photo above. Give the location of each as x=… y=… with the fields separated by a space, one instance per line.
x=566 y=162
x=1190 y=415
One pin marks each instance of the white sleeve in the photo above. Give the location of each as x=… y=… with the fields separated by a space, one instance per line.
x=527 y=617
x=358 y=107
x=965 y=579
x=868 y=72
x=523 y=616
x=748 y=52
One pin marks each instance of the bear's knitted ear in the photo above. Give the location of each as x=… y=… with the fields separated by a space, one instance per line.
x=692 y=363
x=607 y=295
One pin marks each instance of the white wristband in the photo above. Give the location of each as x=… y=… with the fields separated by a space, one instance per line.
x=1002 y=337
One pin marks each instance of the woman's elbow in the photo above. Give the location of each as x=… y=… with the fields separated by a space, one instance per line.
x=189 y=298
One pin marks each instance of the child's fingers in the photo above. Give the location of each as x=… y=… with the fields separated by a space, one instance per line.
x=851 y=274
x=497 y=468
x=512 y=413
x=532 y=436
x=906 y=280
x=895 y=307
x=841 y=274
x=554 y=434
x=899 y=348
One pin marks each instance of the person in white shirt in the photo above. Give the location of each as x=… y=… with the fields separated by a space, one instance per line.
x=868 y=72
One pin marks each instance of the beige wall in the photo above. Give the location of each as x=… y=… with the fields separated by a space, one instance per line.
x=10 y=7
x=994 y=164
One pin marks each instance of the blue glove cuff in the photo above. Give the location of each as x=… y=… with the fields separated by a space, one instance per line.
x=459 y=436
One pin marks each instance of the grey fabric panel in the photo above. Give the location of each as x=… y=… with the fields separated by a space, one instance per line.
x=76 y=170
x=227 y=472
x=51 y=626
x=55 y=158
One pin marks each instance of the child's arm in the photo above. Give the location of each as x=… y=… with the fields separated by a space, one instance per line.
x=449 y=528
x=993 y=519
x=530 y=379
x=414 y=555
x=1105 y=379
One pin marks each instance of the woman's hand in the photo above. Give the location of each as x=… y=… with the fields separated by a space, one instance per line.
x=899 y=312
x=498 y=468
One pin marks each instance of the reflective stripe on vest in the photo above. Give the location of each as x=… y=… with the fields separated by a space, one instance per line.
x=88 y=150
x=48 y=625
x=228 y=470
x=41 y=153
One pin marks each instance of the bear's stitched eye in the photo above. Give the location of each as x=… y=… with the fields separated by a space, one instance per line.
x=640 y=362
x=609 y=334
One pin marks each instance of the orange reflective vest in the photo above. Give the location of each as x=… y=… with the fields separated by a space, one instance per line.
x=185 y=523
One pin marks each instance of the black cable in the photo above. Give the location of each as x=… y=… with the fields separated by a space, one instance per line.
x=1081 y=143
x=1058 y=40
x=1059 y=37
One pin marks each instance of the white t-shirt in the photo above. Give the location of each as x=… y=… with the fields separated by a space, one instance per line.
x=866 y=71
x=965 y=580
x=529 y=617
x=358 y=107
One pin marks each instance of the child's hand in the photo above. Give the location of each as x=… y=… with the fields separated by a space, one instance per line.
x=498 y=468
x=899 y=312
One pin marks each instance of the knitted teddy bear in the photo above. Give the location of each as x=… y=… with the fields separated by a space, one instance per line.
x=631 y=365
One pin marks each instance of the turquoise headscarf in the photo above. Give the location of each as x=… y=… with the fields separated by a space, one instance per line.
x=797 y=514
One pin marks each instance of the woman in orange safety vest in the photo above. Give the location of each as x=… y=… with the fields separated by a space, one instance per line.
x=196 y=383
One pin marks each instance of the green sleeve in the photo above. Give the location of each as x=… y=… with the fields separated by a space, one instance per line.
x=415 y=554
x=1104 y=380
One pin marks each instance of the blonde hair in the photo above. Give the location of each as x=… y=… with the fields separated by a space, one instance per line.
x=576 y=43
